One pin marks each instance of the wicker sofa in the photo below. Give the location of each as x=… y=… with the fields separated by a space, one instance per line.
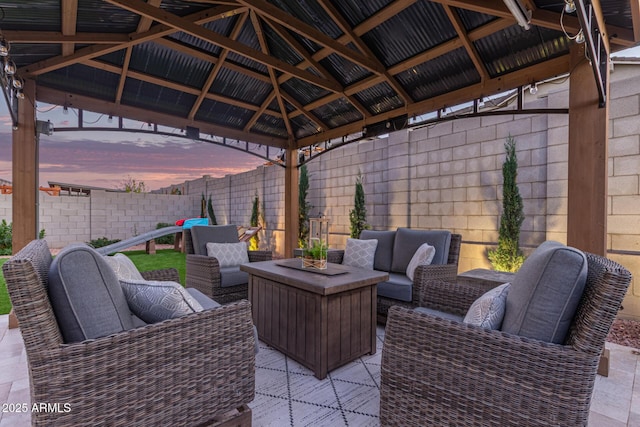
x=223 y=284
x=393 y=254
x=438 y=371
x=185 y=371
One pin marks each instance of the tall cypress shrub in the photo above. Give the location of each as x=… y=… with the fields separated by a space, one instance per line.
x=304 y=207
x=508 y=256
x=212 y=215
x=254 y=243
x=358 y=215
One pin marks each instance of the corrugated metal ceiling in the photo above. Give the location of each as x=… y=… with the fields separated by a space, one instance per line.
x=334 y=65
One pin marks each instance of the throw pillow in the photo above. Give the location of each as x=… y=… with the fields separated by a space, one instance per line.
x=124 y=268
x=360 y=253
x=488 y=310
x=154 y=301
x=228 y=254
x=423 y=256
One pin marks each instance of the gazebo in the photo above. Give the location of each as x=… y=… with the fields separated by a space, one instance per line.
x=291 y=75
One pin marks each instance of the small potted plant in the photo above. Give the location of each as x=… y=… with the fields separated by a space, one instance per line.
x=315 y=255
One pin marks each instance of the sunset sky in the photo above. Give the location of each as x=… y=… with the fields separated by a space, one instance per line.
x=105 y=159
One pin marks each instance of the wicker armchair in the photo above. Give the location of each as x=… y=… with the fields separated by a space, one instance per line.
x=203 y=272
x=441 y=372
x=186 y=371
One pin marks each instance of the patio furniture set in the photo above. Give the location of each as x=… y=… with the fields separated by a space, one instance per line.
x=129 y=348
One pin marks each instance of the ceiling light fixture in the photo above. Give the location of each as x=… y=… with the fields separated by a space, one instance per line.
x=569 y=6
x=520 y=12
x=580 y=37
x=9 y=67
x=533 y=89
x=4 y=46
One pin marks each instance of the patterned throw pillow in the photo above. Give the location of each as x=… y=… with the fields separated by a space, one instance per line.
x=154 y=301
x=229 y=254
x=488 y=310
x=124 y=268
x=423 y=256
x=360 y=253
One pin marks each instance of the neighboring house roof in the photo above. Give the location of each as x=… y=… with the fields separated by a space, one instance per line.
x=79 y=188
x=287 y=73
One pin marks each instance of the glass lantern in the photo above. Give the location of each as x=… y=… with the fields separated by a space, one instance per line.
x=316 y=251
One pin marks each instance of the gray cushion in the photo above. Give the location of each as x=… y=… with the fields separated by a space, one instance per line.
x=360 y=253
x=437 y=313
x=384 y=250
x=124 y=268
x=399 y=287
x=155 y=301
x=408 y=241
x=86 y=296
x=232 y=276
x=545 y=293
x=206 y=302
x=228 y=254
x=202 y=234
x=488 y=310
x=423 y=256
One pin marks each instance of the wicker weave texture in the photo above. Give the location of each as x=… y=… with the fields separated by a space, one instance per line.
x=183 y=371
x=439 y=372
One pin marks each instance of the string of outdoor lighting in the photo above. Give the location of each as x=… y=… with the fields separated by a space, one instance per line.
x=11 y=82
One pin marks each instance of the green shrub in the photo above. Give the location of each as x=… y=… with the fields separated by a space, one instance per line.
x=102 y=241
x=6 y=236
x=165 y=240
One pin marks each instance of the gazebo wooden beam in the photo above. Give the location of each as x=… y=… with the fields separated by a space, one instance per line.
x=24 y=198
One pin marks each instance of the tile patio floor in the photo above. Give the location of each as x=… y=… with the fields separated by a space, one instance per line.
x=287 y=394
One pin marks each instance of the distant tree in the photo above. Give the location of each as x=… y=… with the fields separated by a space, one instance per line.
x=508 y=256
x=304 y=207
x=212 y=215
x=131 y=185
x=254 y=243
x=358 y=215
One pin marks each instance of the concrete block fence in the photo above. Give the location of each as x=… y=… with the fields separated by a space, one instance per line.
x=442 y=176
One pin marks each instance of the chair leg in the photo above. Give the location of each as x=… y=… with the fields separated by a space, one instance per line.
x=603 y=366
x=239 y=417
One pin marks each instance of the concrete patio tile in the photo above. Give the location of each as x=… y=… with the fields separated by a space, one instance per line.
x=598 y=420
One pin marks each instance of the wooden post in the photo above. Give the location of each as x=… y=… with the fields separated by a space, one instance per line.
x=588 y=158
x=291 y=202
x=25 y=171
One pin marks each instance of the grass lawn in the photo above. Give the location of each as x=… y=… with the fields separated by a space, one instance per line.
x=164 y=258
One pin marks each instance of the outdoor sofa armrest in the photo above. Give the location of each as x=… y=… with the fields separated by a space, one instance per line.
x=181 y=371
x=335 y=256
x=165 y=275
x=440 y=372
x=203 y=273
x=255 y=256
x=450 y=297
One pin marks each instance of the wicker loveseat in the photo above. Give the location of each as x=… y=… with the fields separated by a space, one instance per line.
x=393 y=254
x=437 y=371
x=223 y=284
x=185 y=371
